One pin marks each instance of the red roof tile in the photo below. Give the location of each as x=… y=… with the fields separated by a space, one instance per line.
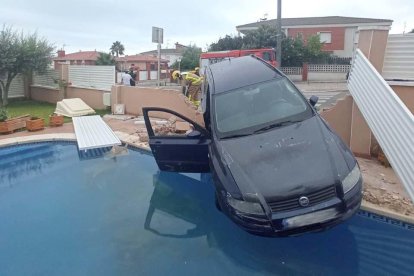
x=84 y=55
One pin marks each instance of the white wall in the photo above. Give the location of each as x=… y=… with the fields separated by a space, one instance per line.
x=171 y=57
x=349 y=45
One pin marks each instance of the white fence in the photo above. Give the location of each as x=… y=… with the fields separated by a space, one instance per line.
x=387 y=116
x=399 y=58
x=319 y=72
x=291 y=70
x=48 y=79
x=16 y=89
x=91 y=76
x=329 y=68
x=143 y=75
x=153 y=75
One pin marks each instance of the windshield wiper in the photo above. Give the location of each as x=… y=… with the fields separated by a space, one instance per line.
x=237 y=135
x=275 y=125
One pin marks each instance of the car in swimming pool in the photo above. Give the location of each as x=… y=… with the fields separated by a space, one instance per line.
x=278 y=168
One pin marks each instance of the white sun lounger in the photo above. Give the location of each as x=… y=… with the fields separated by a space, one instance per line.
x=92 y=132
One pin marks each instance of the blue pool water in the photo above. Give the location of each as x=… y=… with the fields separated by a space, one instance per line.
x=62 y=215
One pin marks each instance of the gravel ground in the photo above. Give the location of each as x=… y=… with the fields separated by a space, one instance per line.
x=383 y=188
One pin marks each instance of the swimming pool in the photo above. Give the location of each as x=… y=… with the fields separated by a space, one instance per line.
x=65 y=215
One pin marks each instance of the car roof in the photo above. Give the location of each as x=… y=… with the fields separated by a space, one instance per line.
x=234 y=73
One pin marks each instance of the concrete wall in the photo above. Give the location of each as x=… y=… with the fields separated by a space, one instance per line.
x=92 y=97
x=406 y=94
x=135 y=98
x=372 y=42
x=321 y=76
x=295 y=77
x=340 y=119
x=45 y=94
x=345 y=118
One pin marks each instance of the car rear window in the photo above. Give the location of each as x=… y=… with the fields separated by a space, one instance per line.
x=246 y=109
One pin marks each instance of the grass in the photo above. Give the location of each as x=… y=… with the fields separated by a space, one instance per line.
x=38 y=109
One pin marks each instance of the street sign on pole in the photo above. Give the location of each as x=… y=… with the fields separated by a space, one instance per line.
x=158 y=37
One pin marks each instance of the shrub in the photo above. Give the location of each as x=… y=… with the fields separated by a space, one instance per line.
x=3 y=115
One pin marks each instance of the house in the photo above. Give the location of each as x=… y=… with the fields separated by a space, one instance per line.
x=338 y=33
x=79 y=58
x=145 y=65
x=171 y=54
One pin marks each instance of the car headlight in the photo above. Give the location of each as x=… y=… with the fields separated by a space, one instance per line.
x=351 y=179
x=247 y=207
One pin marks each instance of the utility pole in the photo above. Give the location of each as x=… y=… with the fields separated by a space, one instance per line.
x=158 y=37
x=159 y=64
x=279 y=34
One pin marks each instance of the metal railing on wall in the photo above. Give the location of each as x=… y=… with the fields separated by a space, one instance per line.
x=16 y=89
x=399 y=57
x=388 y=117
x=47 y=79
x=91 y=76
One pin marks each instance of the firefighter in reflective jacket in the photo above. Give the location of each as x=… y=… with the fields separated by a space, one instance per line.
x=194 y=85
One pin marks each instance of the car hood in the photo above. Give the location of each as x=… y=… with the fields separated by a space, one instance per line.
x=287 y=161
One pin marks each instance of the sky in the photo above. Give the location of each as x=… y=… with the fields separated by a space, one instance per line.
x=94 y=25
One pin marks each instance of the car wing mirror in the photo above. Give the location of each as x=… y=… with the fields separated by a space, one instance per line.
x=195 y=134
x=313 y=100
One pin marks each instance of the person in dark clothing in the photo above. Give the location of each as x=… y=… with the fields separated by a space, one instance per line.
x=133 y=76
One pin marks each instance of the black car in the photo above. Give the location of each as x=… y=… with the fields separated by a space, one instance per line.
x=278 y=168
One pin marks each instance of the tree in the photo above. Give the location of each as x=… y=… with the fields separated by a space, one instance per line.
x=105 y=59
x=263 y=37
x=21 y=54
x=227 y=43
x=190 y=59
x=117 y=48
x=313 y=50
x=295 y=51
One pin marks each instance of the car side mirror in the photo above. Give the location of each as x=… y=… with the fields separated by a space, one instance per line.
x=195 y=134
x=313 y=100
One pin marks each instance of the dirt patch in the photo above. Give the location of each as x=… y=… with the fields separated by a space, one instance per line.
x=383 y=188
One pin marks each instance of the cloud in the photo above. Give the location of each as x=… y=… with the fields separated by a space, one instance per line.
x=93 y=24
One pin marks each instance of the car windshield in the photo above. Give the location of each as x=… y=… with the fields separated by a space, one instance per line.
x=258 y=107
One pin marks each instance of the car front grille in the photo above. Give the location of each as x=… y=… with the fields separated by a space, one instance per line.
x=293 y=203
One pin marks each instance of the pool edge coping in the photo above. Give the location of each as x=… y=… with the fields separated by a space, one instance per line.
x=366 y=206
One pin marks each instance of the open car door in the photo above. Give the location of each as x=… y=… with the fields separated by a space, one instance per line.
x=179 y=153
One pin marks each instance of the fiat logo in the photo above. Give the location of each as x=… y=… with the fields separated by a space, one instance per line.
x=303 y=201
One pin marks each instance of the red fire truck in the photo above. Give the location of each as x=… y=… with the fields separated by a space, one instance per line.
x=213 y=57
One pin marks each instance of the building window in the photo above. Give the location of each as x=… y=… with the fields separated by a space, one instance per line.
x=153 y=67
x=325 y=37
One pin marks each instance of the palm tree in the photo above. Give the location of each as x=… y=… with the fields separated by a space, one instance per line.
x=117 y=48
x=105 y=59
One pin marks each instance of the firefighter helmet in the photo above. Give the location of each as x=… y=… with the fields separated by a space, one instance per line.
x=176 y=74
